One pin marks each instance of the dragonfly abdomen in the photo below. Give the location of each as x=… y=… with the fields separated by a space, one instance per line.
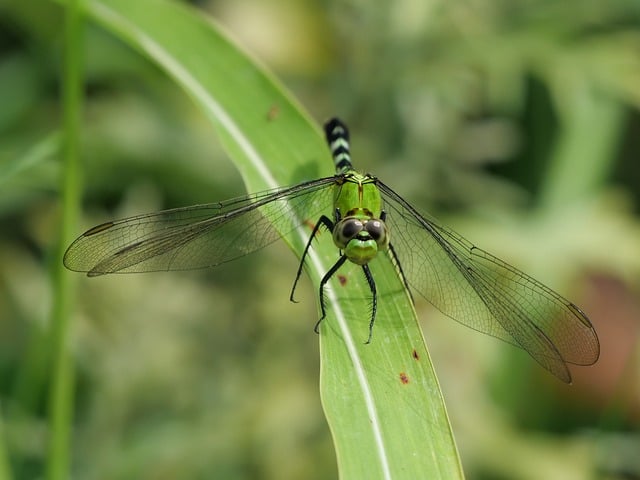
x=338 y=139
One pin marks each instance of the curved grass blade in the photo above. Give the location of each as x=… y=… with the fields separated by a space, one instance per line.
x=374 y=438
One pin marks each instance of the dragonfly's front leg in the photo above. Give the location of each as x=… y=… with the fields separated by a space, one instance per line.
x=325 y=279
x=374 y=303
x=372 y=287
x=323 y=220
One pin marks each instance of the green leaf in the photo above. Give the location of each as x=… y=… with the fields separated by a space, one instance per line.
x=382 y=400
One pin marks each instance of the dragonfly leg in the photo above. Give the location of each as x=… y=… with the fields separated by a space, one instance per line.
x=374 y=304
x=398 y=265
x=323 y=220
x=325 y=279
x=396 y=261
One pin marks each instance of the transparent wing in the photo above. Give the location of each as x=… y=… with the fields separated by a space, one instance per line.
x=198 y=236
x=484 y=293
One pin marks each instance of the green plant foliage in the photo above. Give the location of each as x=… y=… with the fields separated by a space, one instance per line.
x=516 y=123
x=373 y=438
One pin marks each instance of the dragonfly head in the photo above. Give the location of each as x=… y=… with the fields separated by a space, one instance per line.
x=360 y=239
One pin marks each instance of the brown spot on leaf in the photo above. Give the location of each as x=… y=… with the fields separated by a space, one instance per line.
x=273 y=113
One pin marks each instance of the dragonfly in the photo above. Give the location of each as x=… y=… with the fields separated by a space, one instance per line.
x=367 y=220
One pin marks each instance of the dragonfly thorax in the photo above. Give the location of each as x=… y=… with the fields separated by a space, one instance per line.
x=360 y=238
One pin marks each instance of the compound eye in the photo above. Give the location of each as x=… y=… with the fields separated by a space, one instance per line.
x=351 y=227
x=346 y=230
x=377 y=229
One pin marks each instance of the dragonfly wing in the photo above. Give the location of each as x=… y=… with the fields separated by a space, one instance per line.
x=198 y=236
x=489 y=295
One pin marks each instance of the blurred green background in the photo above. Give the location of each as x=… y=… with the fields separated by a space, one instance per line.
x=514 y=122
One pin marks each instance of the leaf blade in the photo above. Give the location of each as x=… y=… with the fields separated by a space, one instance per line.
x=273 y=143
